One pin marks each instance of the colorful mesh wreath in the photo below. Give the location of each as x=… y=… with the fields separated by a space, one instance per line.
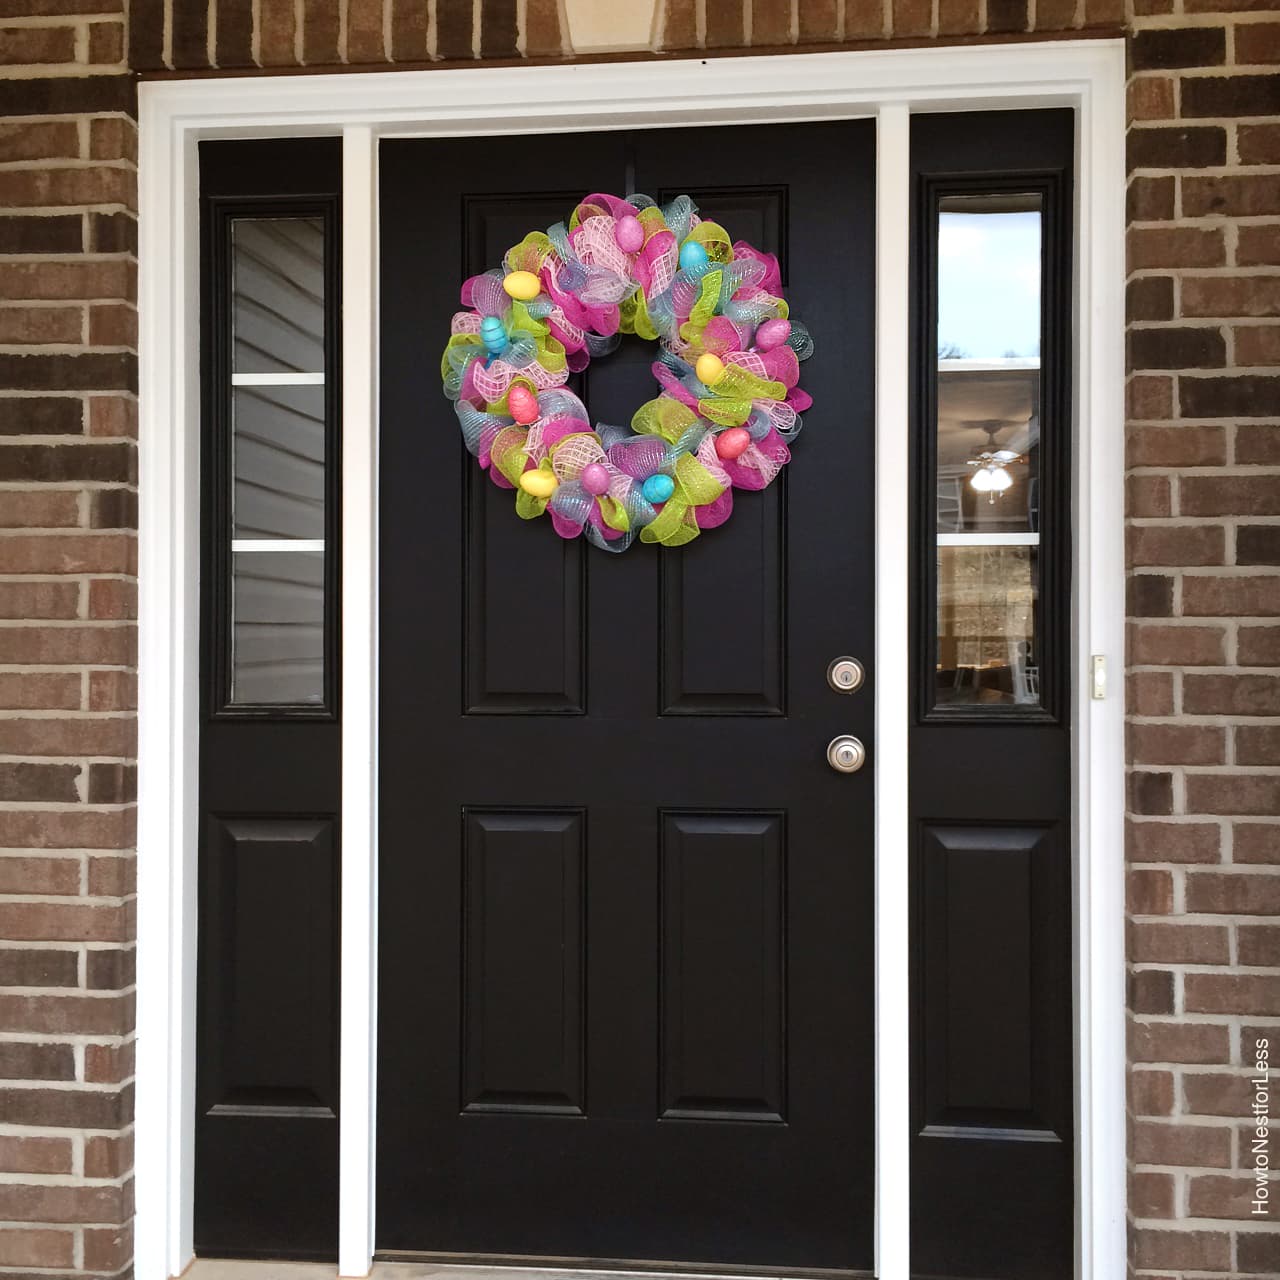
x=728 y=366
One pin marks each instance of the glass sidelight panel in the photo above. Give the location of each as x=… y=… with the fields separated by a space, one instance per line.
x=987 y=398
x=278 y=637
x=278 y=295
x=274 y=447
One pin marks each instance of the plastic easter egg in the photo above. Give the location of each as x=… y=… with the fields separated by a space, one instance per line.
x=484 y=461
x=658 y=488
x=710 y=369
x=523 y=404
x=539 y=484
x=595 y=478
x=493 y=333
x=523 y=285
x=629 y=234
x=733 y=443
x=692 y=255
x=771 y=334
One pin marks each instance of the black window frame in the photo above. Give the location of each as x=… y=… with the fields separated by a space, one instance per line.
x=1053 y=600
x=217 y=313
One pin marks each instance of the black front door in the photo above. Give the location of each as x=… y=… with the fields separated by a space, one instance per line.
x=626 y=961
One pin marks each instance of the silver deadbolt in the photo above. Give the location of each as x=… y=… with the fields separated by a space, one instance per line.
x=846 y=754
x=845 y=675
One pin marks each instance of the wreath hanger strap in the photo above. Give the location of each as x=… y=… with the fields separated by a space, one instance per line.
x=728 y=369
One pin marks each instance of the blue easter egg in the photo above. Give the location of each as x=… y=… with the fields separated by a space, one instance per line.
x=692 y=255
x=493 y=333
x=659 y=488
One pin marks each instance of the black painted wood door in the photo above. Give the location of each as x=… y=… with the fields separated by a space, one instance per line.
x=626 y=961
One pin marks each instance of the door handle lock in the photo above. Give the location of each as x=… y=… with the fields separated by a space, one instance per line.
x=846 y=754
x=845 y=675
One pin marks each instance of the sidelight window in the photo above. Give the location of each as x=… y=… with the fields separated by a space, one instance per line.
x=274 y=455
x=993 y=431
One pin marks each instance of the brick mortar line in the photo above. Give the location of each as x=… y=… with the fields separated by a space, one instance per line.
x=1268 y=272
x=1210 y=571
x=104 y=904
x=65 y=806
x=1224 y=521
x=1218 y=971
x=64 y=349
x=58 y=117
x=8 y=944
x=65 y=1086
x=11 y=1177
x=1238 y=469
x=85 y=575
x=41 y=21
x=64 y=71
x=101 y=1039
x=19 y=713
x=68 y=164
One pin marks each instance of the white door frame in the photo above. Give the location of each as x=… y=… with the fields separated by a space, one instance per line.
x=1088 y=76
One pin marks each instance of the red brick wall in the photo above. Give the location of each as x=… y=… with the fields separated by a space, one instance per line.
x=1204 y=552
x=1204 y=506
x=67 y=590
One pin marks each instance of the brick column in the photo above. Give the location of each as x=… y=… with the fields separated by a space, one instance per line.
x=1204 y=598
x=67 y=650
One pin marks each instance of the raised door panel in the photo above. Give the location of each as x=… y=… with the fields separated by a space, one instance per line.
x=991 y=1011
x=723 y=925
x=267 y=1093
x=523 y=972
x=271 y=920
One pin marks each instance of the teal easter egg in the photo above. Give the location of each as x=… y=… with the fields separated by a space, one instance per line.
x=493 y=333
x=692 y=255
x=658 y=488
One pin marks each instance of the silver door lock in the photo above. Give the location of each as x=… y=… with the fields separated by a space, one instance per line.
x=846 y=754
x=845 y=675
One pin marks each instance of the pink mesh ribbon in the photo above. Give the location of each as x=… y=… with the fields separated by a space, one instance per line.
x=662 y=273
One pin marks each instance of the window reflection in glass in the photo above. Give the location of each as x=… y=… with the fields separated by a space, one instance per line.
x=277 y=283
x=278 y=636
x=278 y=461
x=988 y=450
x=278 y=441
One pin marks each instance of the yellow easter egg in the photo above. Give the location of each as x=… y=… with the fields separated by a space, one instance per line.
x=523 y=285
x=710 y=369
x=539 y=484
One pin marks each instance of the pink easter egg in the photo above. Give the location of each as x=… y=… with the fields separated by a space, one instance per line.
x=629 y=234
x=773 y=333
x=595 y=479
x=733 y=443
x=523 y=404
x=484 y=462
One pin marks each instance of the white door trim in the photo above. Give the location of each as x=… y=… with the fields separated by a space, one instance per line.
x=1087 y=76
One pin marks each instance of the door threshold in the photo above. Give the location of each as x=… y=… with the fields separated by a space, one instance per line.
x=463 y=1266
x=431 y=1266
